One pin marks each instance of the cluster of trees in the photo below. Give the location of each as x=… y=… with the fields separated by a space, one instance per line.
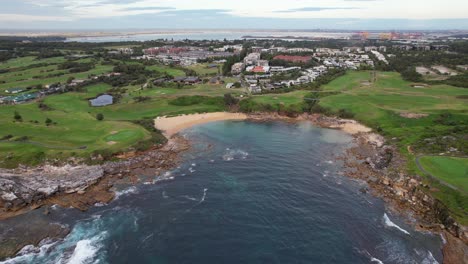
x=227 y=66
x=458 y=80
x=75 y=67
x=134 y=74
x=293 y=75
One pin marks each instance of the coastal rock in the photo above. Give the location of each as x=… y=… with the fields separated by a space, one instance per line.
x=26 y=186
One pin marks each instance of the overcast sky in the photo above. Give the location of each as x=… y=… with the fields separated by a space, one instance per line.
x=234 y=14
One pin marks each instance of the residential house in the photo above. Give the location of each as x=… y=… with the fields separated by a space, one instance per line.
x=238 y=68
x=252 y=58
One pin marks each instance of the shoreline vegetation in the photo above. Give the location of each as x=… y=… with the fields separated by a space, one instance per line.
x=410 y=127
x=368 y=161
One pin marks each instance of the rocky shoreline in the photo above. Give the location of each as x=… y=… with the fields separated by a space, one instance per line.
x=383 y=169
x=82 y=186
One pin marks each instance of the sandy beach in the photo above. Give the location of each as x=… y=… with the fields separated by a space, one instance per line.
x=172 y=125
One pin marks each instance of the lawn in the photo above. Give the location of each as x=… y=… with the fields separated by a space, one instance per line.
x=381 y=105
x=449 y=169
x=203 y=69
x=295 y=97
x=17 y=76
x=166 y=69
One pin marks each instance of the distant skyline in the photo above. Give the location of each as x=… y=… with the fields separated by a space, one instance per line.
x=235 y=14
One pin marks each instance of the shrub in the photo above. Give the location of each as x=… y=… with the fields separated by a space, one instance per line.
x=7 y=137
x=17 y=117
x=99 y=117
x=230 y=100
x=48 y=122
x=344 y=113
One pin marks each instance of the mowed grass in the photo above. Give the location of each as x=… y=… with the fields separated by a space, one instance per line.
x=203 y=69
x=449 y=169
x=381 y=104
x=287 y=99
x=166 y=69
x=76 y=133
x=17 y=77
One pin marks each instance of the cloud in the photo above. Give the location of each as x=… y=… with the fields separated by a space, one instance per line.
x=318 y=9
x=32 y=18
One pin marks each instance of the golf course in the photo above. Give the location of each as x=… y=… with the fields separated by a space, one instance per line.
x=419 y=120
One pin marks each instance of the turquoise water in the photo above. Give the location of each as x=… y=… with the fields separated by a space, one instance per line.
x=246 y=193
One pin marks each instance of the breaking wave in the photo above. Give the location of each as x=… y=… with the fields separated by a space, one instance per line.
x=389 y=223
x=376 y=260
x=86 y=240
x=130 y=190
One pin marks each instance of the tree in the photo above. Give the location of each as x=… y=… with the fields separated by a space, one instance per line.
x=17 y=117
x=100 y=117
x=70 y=79
x=48 y=122
x=230 y=100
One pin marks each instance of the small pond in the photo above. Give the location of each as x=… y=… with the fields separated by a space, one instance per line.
x=102 y=100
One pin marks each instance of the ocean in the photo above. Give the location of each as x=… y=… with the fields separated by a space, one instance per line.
x=247 y=192
x=205 y=35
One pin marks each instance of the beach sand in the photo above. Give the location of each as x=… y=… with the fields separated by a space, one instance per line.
x=172 y=125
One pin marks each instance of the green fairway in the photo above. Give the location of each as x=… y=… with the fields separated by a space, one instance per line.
x=166 y=69
x=295 y=97
x=452 y=170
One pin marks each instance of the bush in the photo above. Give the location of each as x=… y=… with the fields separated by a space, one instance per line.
x=17 y=117
x=48 y=122
x=99 y=117
x=344 y=113
x=230 y=100
x=7 y=137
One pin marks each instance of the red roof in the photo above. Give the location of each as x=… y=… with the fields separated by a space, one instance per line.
x=258 y=69
x=289 y=58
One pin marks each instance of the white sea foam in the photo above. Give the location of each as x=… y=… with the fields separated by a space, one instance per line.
x=84 y=252
x=376 y=260
x=204 y=195
x=427 y=256
x=367 y=254
x=444 y=241
x=191 y=170
x=190 y=198
x=164 y=195
x=232 y=154
x=389 y=223
x=130 y=190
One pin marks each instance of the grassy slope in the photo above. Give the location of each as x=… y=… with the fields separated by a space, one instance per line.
x=450 y=169
x=166 y=69
x=203 y=69
x=75 y=128
x=380 y=104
